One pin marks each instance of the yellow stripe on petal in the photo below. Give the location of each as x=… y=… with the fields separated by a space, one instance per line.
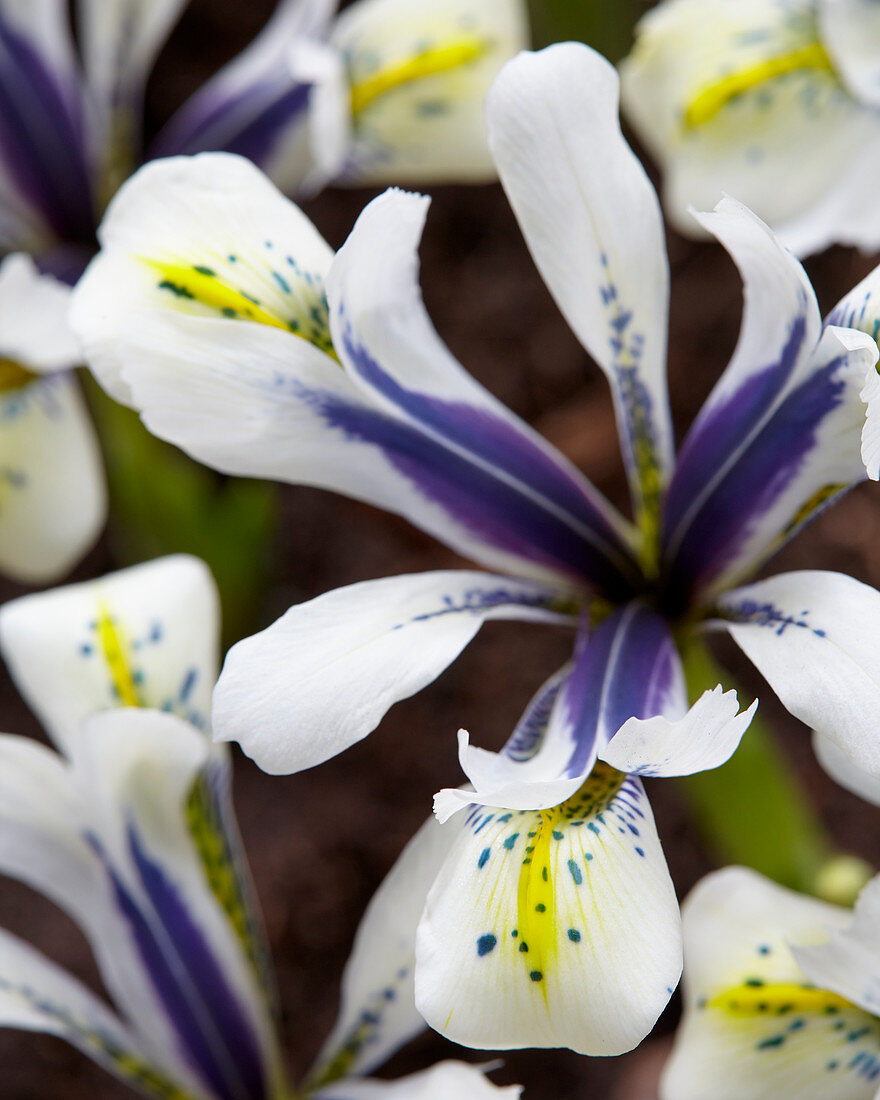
x=427 y=63
x=755 y=997
x=300 y=308
x=115 y=652
x=715 y=96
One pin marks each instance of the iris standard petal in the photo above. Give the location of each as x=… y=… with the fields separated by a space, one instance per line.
x=594 y=228
x=788 y=403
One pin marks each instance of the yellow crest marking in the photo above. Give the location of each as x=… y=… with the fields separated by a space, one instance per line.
x=430 y=62
x=710 y=100
x=757 y=998
x=201 y=284
x=115 y=653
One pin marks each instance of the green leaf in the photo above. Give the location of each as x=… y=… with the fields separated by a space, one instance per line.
x=752 y=810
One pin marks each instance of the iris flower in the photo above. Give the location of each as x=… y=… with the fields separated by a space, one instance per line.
x=782 y=994
x=129 y=827
x=774 y=101
x=392 y=89
x=52 y=494
x=217 y=310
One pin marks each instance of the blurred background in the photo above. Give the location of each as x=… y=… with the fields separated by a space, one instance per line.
x=320 y=842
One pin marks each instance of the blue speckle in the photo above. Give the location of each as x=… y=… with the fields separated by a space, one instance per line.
x=485 y=944
x=484 y=858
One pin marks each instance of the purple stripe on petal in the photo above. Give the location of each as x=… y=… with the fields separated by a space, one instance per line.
x=490 y=509
x=214 y=1035
x=526 y=739
x=720 y=432
x=762 y=473
x=627 y=668
x=491 y=440
x=42 y=140
x=250 y=124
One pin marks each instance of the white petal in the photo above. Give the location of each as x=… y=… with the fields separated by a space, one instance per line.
x=813 y=636
x=593 y=225
x=851 y=34
x=34 y=331
x=849 y=964
x=419 y=76
x=145 y=636
x=120 y=41
x=52 y=494
x=871 y=431
x=206 y=236
x=36 y=995
x=706 y=737
x=259 y=105
x=754 y=1028
x=554 y=928
x=740 y=97
x=440 y=1082
x=789 y=401
x=841 y=768
x=378 y=1012
x=302 y=690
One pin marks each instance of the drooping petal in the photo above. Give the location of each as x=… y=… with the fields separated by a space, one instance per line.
x=146 y=636
x=383 y=332
x=37 y=995
x=260 y=104
x=843 y=769
x=43 y=139
x=779 y=435
x=741 y=97
x=52 y=494
x=593 y=224
x=851 y=34
x=209 y=295
x=813 y=635
x=441 y=1081
x=553 y=928
x=377 y=1012
x=120 y=42
x=871 y=432
x=418 y=78
x=34 y=331
x=302 y=691
x=849 y=963
x=754 y=1027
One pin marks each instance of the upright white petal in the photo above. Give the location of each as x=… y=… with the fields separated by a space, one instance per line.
x=377 y=1012
x=754 y=1027
x=145 y=636
x=593 y=225
x=52 y=494
x=301 y=691
x=552 y=928
x=418 y=76
x=813 y=636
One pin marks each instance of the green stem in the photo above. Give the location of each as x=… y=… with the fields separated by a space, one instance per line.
x=753 y=811
x=606 y=25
